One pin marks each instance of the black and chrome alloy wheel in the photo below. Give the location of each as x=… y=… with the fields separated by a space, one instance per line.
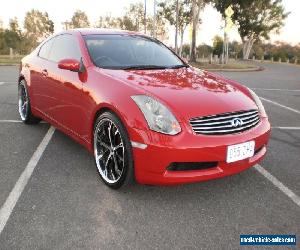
x=23 y=101
x=111 y=150
x=24 y=107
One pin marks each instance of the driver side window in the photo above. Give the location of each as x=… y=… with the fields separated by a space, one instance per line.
x=65 y=47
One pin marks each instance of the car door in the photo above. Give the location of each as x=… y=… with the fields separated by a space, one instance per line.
x=64 y=87
x=40 y=98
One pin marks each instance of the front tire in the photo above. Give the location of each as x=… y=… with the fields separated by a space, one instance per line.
x=112 y=151
x=24 y=105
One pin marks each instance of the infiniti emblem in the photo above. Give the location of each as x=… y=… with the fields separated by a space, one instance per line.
x=236 y=122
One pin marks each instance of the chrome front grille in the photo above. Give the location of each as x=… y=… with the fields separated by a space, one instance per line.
x=226 y=123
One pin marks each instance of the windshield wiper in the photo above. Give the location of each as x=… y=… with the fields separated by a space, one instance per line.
x=178 y=66
x=144 y=67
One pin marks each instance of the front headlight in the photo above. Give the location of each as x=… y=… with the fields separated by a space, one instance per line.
x=258 y=103
x=158 y=117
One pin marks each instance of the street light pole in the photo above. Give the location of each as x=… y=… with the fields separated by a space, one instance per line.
x=145 y=17
x=176 y=28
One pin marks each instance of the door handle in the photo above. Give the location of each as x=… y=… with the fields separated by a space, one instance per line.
x=44 y=72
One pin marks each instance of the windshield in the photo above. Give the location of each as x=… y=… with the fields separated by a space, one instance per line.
x=130 y=52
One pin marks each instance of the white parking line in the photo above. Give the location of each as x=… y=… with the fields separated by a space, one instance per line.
x=15 y=121
x=287 y=128
x=16 y=192
x=295 y=198
x=289 y=90
x=7 y=83
x=280 y=105
x=10 y=121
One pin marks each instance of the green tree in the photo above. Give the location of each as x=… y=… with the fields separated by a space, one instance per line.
x=160 y=27
x=79 y=20
x=127 y=23
x=197 y=6
x=108 y=22
x=167 y=10
x=186 y=48
x=204 y=50
x=1 y=25
x=217 y=45
x=256 y=19
x=2 y=42
x=14 y=25
x=235 y=49
x=11 y=37
x=257 y=50
x=281 y=50
x=133 y=19
x=11 y=40
x=38 y=26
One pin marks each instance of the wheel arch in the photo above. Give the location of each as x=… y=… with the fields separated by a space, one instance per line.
x=20 y=78
x=106 y=107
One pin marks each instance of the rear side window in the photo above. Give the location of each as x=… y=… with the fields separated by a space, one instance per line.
x=65 y=47
x=45 y=49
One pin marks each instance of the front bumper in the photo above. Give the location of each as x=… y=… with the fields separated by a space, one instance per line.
x=152 y=162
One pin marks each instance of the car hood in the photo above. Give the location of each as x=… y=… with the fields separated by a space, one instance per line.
x=188 y=92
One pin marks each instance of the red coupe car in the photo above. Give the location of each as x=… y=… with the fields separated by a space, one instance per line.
x=144 y=113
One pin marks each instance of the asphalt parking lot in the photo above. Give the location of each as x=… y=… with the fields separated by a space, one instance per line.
x=65 y=206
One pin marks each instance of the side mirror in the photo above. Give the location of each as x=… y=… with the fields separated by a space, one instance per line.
x=70 y=64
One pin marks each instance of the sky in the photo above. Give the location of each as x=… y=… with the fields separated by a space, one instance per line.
x=60 y=11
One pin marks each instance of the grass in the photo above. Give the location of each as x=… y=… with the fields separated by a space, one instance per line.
x=6 y=60
x=230 y=65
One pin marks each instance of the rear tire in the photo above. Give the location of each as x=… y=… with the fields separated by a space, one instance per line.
x=24 y=105
x=113 y=151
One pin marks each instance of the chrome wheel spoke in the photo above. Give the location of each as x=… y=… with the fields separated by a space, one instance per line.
x=107 y=161
x=120 y=145
x=113 y=176
x=99 y=157
x=109 y=167
x=23 y=102
x=117 y=170
x=103 y=144
x=109 y=134
x=105 y=172
x=120 y=157
x=112 y=172
x=24 y=106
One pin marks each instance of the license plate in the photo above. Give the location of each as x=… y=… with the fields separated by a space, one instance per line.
x=240 y=151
